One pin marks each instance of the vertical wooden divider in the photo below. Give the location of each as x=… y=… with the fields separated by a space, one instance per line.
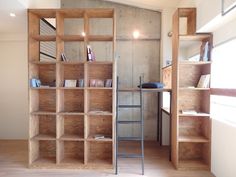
x=59 y=49
x=114 y=74
x=33 y=46
x=86 y=30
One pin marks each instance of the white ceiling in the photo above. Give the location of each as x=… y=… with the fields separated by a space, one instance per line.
x=9 y=24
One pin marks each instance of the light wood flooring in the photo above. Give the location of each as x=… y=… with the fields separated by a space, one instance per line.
x=14 y=156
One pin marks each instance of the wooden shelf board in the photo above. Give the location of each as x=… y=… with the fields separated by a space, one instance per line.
x=43 y=62
x=193 y=165
x=71 y=37
x=99 y=62
x=72 y=62
x=100 y=163
x=195 y=115
x=44 y=161
x=71 y=113
x=72 y=161
x=193 y=139
x=196 y=37
x=44 y=37
x=71 y=88
x=99 y=113
x=194 y=89
x=100 y=38
x=43 y=113
x=183 y=62
x=100 y=13
x=91 y=138
x=99 y=88
x=44 y=137
x=43 y=88
x=69 y=137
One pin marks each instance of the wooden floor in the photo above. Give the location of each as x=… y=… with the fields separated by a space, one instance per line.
x=13 y=163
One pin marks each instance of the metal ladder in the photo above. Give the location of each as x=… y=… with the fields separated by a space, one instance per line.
x=119 y=122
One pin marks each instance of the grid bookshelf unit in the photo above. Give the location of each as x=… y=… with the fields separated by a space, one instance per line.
x=191 y=133
x=63 y=121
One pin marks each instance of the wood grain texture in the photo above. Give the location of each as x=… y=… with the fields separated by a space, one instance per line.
x=73 y=101
x=74 y=125
x=100 y=152
x=100 y=125
x=47 y=100
x=100 y=100
x=166 y=76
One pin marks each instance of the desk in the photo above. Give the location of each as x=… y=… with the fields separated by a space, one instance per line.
x=159 y=92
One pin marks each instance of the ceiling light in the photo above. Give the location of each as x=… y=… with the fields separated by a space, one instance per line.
x=136 y=34
x=83 y=34
x=12 y=14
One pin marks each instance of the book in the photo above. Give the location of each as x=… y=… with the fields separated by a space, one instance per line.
x=190 y=111
x=204 y=81
x=63 y=57
x=90 y=54
x=35 y=83
x=98 y=136
x=204 y=51
x=70 y=83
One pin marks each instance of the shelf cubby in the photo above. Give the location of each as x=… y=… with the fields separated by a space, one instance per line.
x=71 y=127
x=99 y=101
x=189 y=75
x=45 y=72
x=71 y=72
x=101 y=26
x=72 y=101
x=106 y=52
x=72 y=152
x=74 y=50
x=99 y=153
x=195 y=129
x=43 y=127
x=101 y=71
x=194 y=156
x=99 y=125
x=43 y=101
x=194 y=101
x=73 y=26
x=43 y=152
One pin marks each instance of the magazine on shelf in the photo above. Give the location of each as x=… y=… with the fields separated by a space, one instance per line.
x=204 y=81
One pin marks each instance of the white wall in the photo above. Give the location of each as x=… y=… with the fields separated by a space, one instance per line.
x=14 y=95
x=166 y=42
x=14 y=78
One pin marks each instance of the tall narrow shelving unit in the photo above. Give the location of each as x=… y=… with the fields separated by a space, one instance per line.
x=63 y=121
x=191 y=133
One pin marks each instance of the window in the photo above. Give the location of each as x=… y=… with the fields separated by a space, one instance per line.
x=223 y=107
x=223 y=67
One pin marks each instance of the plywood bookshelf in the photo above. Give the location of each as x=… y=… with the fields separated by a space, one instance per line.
x=191 y=133
x=64 y=121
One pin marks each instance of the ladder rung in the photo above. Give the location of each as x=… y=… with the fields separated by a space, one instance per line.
x=129 y=122
x=129 y=106
x=129 y=138
x=126 y=155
